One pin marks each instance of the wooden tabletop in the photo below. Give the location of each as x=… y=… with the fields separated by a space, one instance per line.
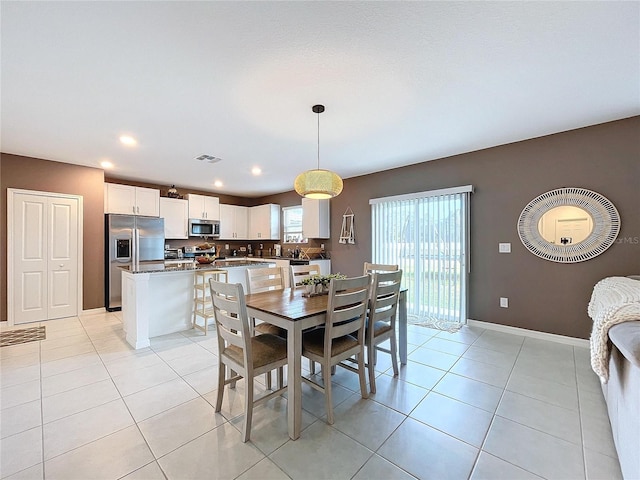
x=288 y=303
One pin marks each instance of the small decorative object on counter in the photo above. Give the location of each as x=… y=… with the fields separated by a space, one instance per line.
x=205 y=259
x=319 y=284
x=172 y=192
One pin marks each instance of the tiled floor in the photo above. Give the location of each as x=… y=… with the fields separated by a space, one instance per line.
x=476 y=404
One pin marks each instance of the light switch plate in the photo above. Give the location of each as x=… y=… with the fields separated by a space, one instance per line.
x=504 y=302
x=504 y=247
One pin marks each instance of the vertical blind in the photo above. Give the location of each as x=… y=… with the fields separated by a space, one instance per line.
x=426 y=235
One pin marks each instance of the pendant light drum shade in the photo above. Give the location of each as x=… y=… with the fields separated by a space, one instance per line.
x=318 y=183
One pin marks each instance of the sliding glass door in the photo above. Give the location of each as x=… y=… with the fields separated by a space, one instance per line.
x=426 y=234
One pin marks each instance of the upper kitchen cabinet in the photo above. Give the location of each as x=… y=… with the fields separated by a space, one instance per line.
x=234 y=222
x=204 y=207
x=264 y=222
x=130 y=200
x=315 y=218
x=175 y=212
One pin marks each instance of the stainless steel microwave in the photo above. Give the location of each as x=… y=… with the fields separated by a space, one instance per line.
x=204 y=228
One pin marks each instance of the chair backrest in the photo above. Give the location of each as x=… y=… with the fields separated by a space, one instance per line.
x=300 y=272
x=232 y=321
x=346 y=308
x=263 y=279
x=372 y=268
x=383 y=301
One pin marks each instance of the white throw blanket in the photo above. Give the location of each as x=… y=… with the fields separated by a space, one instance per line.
x=614 y=300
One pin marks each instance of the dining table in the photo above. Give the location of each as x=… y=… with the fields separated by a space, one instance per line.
x=290 y=310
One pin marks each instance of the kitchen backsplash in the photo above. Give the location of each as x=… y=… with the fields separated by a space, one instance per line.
x=267 y=249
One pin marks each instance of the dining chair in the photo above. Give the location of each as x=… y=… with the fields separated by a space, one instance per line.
x=245 y=355
x=381 y=320
x=263 y=280
x=342 y=336
x=372 y=268
x=300 y=272
x=297 y=273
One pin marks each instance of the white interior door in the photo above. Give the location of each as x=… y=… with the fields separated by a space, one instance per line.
x=62 y=265
x=44 y=255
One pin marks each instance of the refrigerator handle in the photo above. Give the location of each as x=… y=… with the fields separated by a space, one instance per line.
x=135 y=250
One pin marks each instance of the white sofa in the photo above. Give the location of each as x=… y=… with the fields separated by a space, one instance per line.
x=622 y=394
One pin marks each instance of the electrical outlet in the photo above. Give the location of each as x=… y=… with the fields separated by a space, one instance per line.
x=226 y=246
x=322 y=246
x=504 y=248
x=504 y=302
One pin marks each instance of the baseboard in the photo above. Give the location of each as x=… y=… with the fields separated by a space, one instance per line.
x=93 y=311
x=552 y=337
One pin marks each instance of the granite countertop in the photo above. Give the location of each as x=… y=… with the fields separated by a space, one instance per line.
x=233 y=263
x=192 y=267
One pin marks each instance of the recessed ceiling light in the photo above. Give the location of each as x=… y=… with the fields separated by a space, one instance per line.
x=106 y=164
x=128 y=140
x=256 y=170
x=217 y=183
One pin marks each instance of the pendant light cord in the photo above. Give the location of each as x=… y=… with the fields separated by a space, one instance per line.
x=318 y=140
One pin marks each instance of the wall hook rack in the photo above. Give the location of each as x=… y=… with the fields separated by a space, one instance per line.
x=347 y=233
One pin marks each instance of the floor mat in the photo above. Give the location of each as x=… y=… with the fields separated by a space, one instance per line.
x=451 y=327
x=24 y=335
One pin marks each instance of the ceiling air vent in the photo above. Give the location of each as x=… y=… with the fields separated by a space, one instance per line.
x=208 y=158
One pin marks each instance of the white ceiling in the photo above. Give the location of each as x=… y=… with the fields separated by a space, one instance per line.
x=402 y=82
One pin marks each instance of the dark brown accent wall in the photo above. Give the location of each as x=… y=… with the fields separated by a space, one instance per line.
x=46 y=176
x=543 y=296
x=228 y=199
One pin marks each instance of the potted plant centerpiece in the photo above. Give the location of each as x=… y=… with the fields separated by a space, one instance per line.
x=319 y=284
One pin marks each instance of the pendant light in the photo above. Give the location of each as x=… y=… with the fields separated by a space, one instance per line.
x=318 y=183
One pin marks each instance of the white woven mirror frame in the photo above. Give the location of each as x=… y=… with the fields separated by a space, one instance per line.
x=606 y=225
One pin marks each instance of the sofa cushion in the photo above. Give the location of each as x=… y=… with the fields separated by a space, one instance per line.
x=626 y=337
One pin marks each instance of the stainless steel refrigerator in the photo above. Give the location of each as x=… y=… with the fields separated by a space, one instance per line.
x=131 y=242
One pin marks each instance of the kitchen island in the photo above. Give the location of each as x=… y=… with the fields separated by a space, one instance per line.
x=158 y=299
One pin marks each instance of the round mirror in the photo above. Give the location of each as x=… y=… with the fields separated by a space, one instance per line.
x=568 y=225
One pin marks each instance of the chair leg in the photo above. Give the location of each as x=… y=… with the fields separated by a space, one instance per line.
x=394 y=355
x=267 y=377
x=362 y=374
x=326 y=376
x=312 y=367
x=280 y=378
x=221 y=376
x=248 y=409
x=371 y=368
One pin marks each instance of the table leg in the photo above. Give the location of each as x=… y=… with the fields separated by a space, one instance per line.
x=402 y=327
x=294 y=382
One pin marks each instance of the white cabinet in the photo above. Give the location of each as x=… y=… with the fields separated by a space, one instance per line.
x=315 y=218
x=324 y=264
x=234 y=222
x=130 y=200
x=175 y=212
x=204 y=207
x=264 y=222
